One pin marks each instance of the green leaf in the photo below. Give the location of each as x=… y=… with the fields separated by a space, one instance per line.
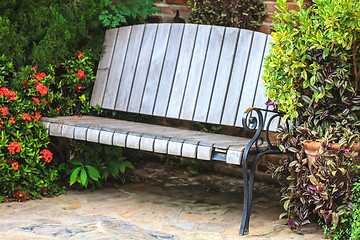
x=76 y=162
x=74 y=174
x=93 y=172
x=83 y=177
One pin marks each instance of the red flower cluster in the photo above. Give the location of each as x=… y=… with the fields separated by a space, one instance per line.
x=9 y=95
x=14 y=147
x=78 y=87
x=36 y=100
x=80 y=55
x=26 y=117
x=39 y=75
x=81 y=74
x=47 y=155
x=18 y=195
x=12 y=119
x=4 y=111
x=35 y=116
x=34 y=68
x=15 y=165
x=41 y=88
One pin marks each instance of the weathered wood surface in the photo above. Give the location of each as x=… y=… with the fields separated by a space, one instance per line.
x=193 y=72
x=147 y=137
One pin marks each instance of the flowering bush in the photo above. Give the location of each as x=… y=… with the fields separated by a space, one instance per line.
x=72 y=88
x=25 y=161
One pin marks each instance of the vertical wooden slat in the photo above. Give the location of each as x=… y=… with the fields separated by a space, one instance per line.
x=104 y=65
x=127 y=77
x=167 y=75
x=209 y=73
x=156 y=65
x=182 y=70
x=237 y=77
x=252 y=75
x=195 y=73
x=142 y=68
x=117 y=65
x=223 y=75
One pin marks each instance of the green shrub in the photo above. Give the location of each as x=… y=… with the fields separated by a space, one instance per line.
x=126 y=12
x=26 y=170
x=45 y=32
x=230 y=13
x=94 y=163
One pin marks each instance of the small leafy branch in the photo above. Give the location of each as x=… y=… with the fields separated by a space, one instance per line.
x=126 y=12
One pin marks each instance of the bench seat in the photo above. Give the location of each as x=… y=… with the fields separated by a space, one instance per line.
x=149 y=137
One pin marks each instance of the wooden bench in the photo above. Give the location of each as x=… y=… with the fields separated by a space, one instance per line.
x=199 y=73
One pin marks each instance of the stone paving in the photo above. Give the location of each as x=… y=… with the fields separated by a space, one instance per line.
x=167 y=205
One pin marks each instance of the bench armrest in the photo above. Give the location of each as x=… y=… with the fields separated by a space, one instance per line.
x=254 y=120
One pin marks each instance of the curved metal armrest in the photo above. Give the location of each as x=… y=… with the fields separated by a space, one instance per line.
x=252 y=121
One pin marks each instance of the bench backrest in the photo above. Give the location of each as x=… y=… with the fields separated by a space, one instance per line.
x=202 y=73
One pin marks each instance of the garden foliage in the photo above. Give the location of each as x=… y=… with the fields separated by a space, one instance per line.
x=26 y=168
x=230 y=13
x=312 y=74
x=126 y=12
x=45 y=32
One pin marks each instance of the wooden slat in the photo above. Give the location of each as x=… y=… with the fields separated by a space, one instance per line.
x=209 y=73
x=142 y=68
x=155 y=70
x=104 y=65
x=182 y=71
x=116 y=70
x=106 y=137
x=195 y=73
x=167 y=75
x=129 y=67
x=93 y=134
x=252 y=75
x=237 y=77
x=223 y=75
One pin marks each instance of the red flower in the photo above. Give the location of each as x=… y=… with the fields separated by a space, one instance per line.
x=80 y=55
x=36 y=100
x=18 y=195
x=35 y=116
x=58 y=109
x=26 y=117
x=40 y=75
x=81 y=74
x=9 y=95
x=78 y=87
x=47 y=155
x=4 y=111
x=12 y=119
x=15 y=165
x=25 y=83
x=34 y=68
x=42 y=89
x=14 y=147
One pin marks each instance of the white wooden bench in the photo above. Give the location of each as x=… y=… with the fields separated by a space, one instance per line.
x=200 y=73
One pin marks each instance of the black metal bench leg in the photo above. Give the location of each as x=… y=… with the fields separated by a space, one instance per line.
x=250 y=189
x=244 y=229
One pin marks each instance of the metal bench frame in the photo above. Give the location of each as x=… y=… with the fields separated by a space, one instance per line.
x=199 y=73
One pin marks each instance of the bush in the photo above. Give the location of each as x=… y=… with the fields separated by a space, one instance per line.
x=230 y=13
x=45 y=32
x=126 y=12
x=26 y=170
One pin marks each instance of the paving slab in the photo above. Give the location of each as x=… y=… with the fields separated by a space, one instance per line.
x=167 y=205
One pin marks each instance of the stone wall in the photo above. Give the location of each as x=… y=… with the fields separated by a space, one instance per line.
x=169 y=7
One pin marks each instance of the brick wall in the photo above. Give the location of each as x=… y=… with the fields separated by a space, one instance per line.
x=169 y=7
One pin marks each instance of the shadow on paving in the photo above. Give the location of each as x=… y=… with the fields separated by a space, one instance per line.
x=167 y=204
